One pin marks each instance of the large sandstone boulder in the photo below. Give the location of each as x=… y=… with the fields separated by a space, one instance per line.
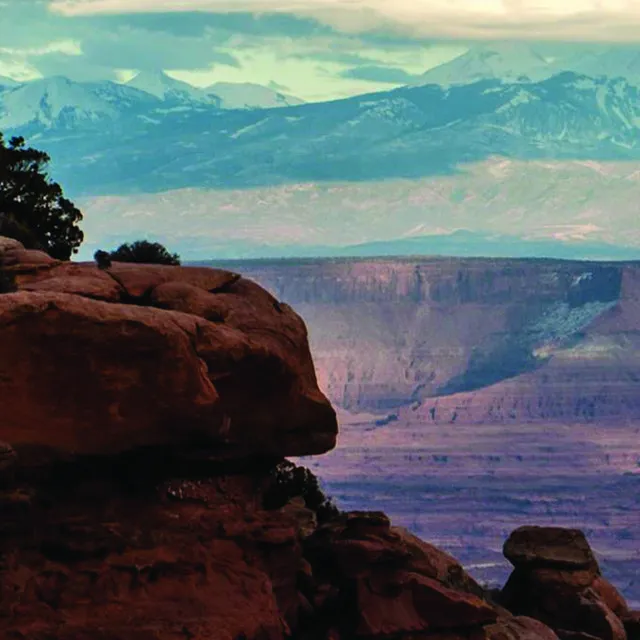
x=99 y=362
x=519 y=628
x=381 y=581
x=556 y=580
x=549 y=547
x=14 y=257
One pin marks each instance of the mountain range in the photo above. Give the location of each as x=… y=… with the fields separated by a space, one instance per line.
x=58 y=103
x=526 y=62
x=111 y=138
x=223 y=95
x=502 y=142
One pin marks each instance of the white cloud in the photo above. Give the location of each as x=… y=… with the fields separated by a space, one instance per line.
x=68 y=47
x=595 y=20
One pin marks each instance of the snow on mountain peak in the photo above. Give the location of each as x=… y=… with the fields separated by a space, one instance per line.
x=518 y=61
x=56 y=100
x=246 y=95
x=160 y=85
x=509 y=62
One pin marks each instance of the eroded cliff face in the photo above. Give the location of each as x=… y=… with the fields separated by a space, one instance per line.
x=141 y=507
x=141 y=355
x=470 y=340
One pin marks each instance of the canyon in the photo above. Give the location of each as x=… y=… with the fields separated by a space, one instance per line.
x=475 y=395
x=495 y=340
x=145 y=492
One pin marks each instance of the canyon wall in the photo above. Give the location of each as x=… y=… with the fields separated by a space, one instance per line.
x=144 y=494
x=469 y=340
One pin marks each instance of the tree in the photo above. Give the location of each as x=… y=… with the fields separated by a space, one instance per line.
x=32 y=207
x=103 y=259
x=288 y=481
x=145 y=252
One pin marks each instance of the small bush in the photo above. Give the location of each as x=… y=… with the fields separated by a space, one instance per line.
x=145 y=252
x=103 y=259
x=290 y=481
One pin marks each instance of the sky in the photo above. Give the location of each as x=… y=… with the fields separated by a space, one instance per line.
x=313 y=49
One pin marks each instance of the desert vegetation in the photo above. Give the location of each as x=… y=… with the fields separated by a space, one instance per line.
x=33 y=208
x=141 y=251
x=289 y=481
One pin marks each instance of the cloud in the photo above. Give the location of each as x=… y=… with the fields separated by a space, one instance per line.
x=347 y=56
x=320 y=49
x=76 y=68
x=150 y=50
x=224 y=25
x=591 y=20
x=373 y=73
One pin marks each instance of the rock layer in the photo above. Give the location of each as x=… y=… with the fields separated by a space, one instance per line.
x=166 y=543
x=143 y=355
x=482 y=341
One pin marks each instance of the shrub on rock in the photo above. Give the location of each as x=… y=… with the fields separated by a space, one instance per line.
x=290 y=481
x=145 y=252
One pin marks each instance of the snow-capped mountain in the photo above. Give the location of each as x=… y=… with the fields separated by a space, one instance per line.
x=224 y=95
x=526 y=62
x=406 y=133
x=509 y=62
x=569 y=110
x=59 y=103
x=164 y=87
x=246 y=95
x=623 y=62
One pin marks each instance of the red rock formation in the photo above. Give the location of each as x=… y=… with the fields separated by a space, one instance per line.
x=140 y=427
x=166 y=543
x=557 y=581
x=147 y=355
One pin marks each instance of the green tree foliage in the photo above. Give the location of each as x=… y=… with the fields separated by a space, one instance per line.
x=32 y=207
x=291 y=481
x=145 y=252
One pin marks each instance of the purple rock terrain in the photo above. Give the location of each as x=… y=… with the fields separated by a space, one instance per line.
x=478 y=395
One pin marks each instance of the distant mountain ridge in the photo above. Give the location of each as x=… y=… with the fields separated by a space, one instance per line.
x=533 y=62
x=165 y=87
x=60 y=103
x=409 y=132
x=496 y=159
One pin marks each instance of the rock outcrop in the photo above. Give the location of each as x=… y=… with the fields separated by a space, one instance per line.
x=557 y=580
x=166 y=544
x=144 y=414
x=96 y=361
